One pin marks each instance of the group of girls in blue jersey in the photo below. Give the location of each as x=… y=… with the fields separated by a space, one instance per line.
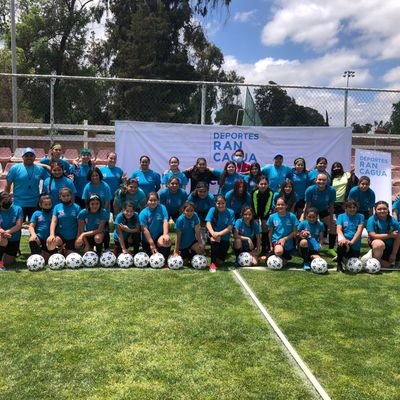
x=260 y=207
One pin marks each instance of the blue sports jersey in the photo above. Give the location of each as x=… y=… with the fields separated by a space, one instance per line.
x=246 y=230
x=102 y=190
x=276 y=176
x=80 y=177
x=153 y=220
x=202 y=205
x=350 y=225
x=113 y=177
x=131 y=223
x=9 y=218
x=183 y=180
x=315 y=229
x=229 y=180
x=312 y=176
x=235 y=203
x=379 y=226
x=320 y=199
x=222 y=221
x=56 y=186
x=26 y=181
x=67 y=220
x=301 y=182
x=282 y=226
x=365 y=200
x=172 y=201
x=187 y=228
x=92 y=220
x=42 y=221
x=149 y=181
x=138 y=199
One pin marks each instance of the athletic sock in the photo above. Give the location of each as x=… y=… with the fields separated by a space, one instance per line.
x=332 y=240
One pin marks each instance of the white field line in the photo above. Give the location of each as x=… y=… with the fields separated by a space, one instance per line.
x=310 y=376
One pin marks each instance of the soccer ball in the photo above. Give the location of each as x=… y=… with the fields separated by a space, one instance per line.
x=141 y=260
x=245 y=259
x=125 y=260
x=319 y=265
x=157 y=260
x=73 y=260
x=108 y=259
x=354 y=265
x=275 y=262
x=56 y=261
x=175 y=262
x=35 y=262
x=90 y=259
x=372 y=266
x=199 y=262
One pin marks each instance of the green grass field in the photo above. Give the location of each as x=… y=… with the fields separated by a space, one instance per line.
x=161 y=334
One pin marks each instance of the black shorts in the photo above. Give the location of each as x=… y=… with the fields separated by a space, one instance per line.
x=219 y=250
x=245 y=244
x=43 y=245
x=132 y=240
x=348 y=253
x=187 y=252
x=388 y=251
x=28 y=212
x=12 y=248
x=322 y=214
x=338 y=207
x=146 y=246
x=69 y=244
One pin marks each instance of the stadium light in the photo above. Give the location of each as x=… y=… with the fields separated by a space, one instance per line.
x=347 y=75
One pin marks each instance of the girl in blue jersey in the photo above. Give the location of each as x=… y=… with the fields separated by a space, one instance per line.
x=311 y=237
x=54 y=155
x=126 y=230
x=219 y=223
x=350 y=225
x=129 y=193
x=227 y=177
x=91 y=223
x=383 y=235
x=247 y=234
x=202 y=199
x=322 y=197
x=252 y=178
x=80 y=170
x=173 y=197
x=174 y=171
x=154 y=224
x=364 y=196
x=320 y=168
x=282 y=229
x=288 y=193
x=96 y=185
x=56 y=181
x=39 y=226
x=64 y=223
x=301 y=182
x=238 y=197
x=149 y=180
x=11 y=217
x=188 y=235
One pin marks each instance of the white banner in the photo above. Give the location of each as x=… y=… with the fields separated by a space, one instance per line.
x=217 y=143
x=377 y=166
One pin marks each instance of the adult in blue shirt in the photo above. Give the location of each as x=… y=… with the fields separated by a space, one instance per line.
x=10 y=230
x=277 y=172
x=149 y=180
x=26 y=177
x=173 y=197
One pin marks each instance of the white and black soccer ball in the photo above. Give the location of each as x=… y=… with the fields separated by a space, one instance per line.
x=175 y=262
x=108 y=259
x=275 y=262
x=372 y=266
x=125 y=260
x=354 y=265
x=245 y=259
x=35 y=262
x=319 y=265
x=56 y=261
x=90 y=259
x=73 y=260
x=199 y=261
x=141 y=259
x=157 y=260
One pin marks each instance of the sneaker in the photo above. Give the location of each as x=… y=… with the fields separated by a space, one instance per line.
x=236 y=263
x=2 y=267
x=331 y=252
x=213 y=267
x=306 y=267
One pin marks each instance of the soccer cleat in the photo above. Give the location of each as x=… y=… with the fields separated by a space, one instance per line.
x=2 y=267
x=306 y=267
x=213 y=267
x=331 y=253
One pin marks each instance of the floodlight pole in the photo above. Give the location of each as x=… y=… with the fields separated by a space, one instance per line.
x=347 y=75
x=14 y=71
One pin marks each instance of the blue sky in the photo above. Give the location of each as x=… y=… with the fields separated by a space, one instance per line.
x=310 y=42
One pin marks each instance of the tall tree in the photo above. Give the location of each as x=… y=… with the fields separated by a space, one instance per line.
x=395 y=119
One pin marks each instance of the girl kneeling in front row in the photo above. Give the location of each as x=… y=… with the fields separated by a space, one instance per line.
x=247 y=234
x=188 y=234
x=282 y=229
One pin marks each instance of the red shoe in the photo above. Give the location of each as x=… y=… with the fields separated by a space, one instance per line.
x=2 y=267
x=213 y=267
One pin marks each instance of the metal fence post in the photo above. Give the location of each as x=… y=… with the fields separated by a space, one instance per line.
x=52 y=83
x=346 y=95
x=14 y=78
x=203 y=103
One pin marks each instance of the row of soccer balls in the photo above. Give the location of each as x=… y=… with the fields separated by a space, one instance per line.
x=108 y=259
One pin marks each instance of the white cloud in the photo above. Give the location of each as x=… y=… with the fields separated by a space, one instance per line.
x=245 y=16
